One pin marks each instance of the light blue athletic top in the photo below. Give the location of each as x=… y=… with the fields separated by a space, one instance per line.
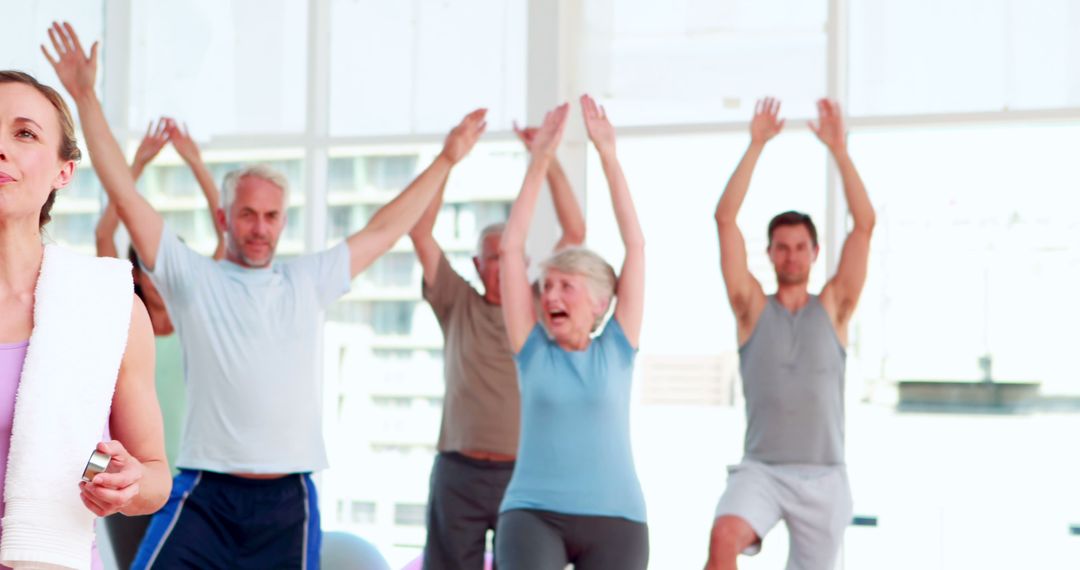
x=574 y=454
x=249 y=338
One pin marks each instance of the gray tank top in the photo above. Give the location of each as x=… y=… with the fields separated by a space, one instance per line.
x=792 y=371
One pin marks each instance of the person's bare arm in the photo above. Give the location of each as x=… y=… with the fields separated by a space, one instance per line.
x=630 y=292
x=138 y=481
x=76 y=72
x=189 y=151
x=517 y=293
x=428 y=251
x=567 y=210
x=151 y=144
x=105 y=232
x=744 y=291
x=843 y=290
x=401 y=214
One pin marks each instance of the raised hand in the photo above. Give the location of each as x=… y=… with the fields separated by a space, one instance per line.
x=152 y=142
x=830 y=126
x=526 y=135
x=601 y=133
x=464 y=136
x=76 y=71
x=112 y=491
x=548 y=135
x=182 y=142
x=766 y=123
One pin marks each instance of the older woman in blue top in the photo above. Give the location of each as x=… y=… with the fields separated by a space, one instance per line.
x=574 y=496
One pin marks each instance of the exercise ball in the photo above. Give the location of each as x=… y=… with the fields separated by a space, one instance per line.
x=344 y=551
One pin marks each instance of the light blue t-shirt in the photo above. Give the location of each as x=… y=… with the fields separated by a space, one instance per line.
x=574 y=455
x=249 y=340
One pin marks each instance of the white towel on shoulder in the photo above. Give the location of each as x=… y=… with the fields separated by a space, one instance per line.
x=82 y=313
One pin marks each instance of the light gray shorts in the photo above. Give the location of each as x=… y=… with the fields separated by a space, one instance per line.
x=814 y=501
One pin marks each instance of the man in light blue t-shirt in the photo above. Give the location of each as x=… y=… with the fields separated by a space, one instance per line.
x=252 y=432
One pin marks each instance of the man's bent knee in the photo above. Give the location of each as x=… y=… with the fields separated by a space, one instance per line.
x=730 y=536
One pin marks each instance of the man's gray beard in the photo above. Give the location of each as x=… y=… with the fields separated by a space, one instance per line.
x=247 y=262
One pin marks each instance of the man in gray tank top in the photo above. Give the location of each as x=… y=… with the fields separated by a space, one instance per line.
x=791 y=353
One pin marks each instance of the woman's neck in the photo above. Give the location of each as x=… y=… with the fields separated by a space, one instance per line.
x=20 y=257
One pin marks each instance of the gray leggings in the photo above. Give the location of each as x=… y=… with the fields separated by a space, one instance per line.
x=528 y=539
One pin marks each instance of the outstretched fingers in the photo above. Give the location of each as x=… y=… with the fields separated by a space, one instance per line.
x=550 y=132
x=54 y=37
x=53 y=62
x=476 y=122
x=71 y=39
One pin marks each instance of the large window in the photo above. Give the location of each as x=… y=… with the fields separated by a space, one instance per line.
x=977 y=234
x=28 y=29
x=227 y=68
x=940 y=56
x=418 y=66
x=697 y=61
x=971 y=259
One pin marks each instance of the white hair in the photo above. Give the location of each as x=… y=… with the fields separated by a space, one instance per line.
x=599 y=276
x=488 y=230
x=261 y=171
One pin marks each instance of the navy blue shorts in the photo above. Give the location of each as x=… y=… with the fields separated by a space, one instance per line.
x=213 y=520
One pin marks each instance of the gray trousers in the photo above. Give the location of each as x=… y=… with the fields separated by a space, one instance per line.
x=529 y=539
x=463 y=505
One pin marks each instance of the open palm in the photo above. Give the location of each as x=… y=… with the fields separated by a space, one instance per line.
x=464 y=136
x=183 y=143
x=547 y=137
x=766 y=123
x=601 y=133
x=76 y=71
x=153 y=141
x=830 y=127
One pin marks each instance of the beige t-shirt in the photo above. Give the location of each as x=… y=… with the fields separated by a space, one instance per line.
x=482 y=405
